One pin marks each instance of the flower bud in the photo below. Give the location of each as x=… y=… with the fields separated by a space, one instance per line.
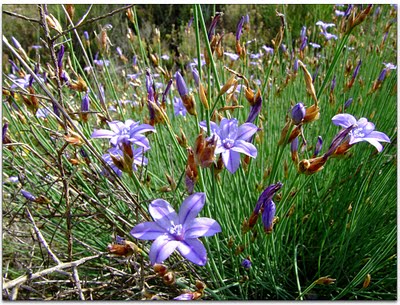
x=85 y=108
x=160 y=269
x=298 y=113
x=246 y=263
x=169 y=278
x=268 y=215
x=318 y=146
x=312 y=166
x=325 y=280
x=28 y=195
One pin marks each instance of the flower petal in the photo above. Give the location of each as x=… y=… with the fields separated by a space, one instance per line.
x=202 y=226
x=245 y=131
x=116 y=126
x=374 y=142
x=228 y=128
x=379 y=136
x=344 y=120
x=147 y=230
x=102 y=133
x=245 y=148
x=194 y=251
x=231 y=160
x=190 y=207
x=140 y=140
x=163 y=213
x=162 y=248
x=141 y=129
x=213 y=126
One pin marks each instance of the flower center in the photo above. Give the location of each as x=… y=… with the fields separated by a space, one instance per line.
x=358 y=132
x=125 y=131
x=176 y=231
x=228 y=143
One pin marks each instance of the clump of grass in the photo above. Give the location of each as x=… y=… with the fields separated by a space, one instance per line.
x=72 y=199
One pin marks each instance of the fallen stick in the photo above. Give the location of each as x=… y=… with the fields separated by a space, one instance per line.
x=24 y=278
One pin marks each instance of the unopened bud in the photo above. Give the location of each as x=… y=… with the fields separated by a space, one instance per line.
x=325 y=280
x=169 y=278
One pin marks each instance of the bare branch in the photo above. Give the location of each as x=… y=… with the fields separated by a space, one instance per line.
x=41 y=238
x=21 y=16
x=77 y=282
x=93 y=20
x=24 y=278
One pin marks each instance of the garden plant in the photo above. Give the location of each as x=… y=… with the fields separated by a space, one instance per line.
x=240 y=152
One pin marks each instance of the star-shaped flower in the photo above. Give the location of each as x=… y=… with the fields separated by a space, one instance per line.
x=130 y=131
x=232 y=140
x=180 y=231
x=362 y=131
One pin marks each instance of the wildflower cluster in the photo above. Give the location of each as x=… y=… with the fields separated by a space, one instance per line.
x=197 y=138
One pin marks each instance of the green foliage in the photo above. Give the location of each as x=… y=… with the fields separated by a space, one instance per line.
x=339 y=222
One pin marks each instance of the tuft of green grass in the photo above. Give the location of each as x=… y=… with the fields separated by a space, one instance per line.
x=339 y=222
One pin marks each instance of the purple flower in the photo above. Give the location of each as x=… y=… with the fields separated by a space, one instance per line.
x=13 y=66
x=324 y=25
x=101 y=62
x=119 y=51
x=165 y=57
x=318 y=146
x=232 y=140
x=255 y=110
x=42 y=112
x=190 y=22
x=348 y=10
x=298 y=113
x=296 y=65
x=362 y=130
x=211 y=30
x=24 y=82
x=348 y=103
x=381 y=77
x=314 y=45
x=28 y=195
x=185 y=297
x=195 y=74
x=232 y=56
x=86 y=35
x=122 y=132
x=256 y=56
x=390 y=66
x=268 y=50
x=180 y=231
x=339 y=13
x=85 y=103
x=134 y=60
x=333 y=84
x=266 y=206
x=357 y=69
x=268 y=215
x=179 y=108
x=60 y=56
x=303 y=43
x=239 y=28
x=181 y=85
x=246 y=263
x=196 y=61
x=16 y=43
x=303 y=33
x=329 y=36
